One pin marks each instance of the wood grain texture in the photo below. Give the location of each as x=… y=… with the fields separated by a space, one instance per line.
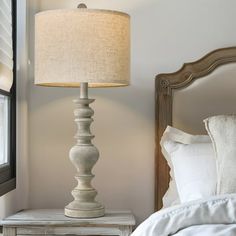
x=57 y=217
x=9 y=231
x=66 y=230
x=165 y=84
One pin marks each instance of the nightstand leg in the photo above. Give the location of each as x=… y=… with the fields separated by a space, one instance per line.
x=126 y=231
x=9 y=231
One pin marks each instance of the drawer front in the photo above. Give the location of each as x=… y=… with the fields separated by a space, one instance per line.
x=42 y=231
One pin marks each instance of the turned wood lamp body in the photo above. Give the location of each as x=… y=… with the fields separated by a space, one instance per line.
x=82 y=48
x=84 y=156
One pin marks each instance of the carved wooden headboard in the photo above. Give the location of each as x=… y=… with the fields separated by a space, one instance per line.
x=165 y=87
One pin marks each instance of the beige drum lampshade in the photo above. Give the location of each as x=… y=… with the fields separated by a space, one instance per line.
x=82 y=45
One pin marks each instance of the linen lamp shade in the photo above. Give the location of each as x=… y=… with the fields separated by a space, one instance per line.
x=74 y=46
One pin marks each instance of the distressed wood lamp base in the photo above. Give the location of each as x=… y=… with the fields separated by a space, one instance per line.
x=84 y=156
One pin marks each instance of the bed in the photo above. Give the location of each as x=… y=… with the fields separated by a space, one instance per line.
x=183 y=99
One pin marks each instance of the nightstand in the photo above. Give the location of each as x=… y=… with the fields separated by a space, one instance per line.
x=53 y=222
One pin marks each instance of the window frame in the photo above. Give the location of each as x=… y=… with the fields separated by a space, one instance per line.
x=8 y=171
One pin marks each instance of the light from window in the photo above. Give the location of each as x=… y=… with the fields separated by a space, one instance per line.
x=4 y=129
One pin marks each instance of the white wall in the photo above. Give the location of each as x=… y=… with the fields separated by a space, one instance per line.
x=165 y=34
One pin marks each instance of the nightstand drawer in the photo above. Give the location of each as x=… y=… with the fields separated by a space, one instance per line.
x=58 y=231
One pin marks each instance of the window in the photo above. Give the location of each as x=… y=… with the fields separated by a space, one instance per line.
x=7 y=95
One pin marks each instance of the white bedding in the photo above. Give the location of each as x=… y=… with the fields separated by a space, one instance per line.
x=214 y=216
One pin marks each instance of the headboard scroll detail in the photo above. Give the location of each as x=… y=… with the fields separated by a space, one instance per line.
x=165 y=84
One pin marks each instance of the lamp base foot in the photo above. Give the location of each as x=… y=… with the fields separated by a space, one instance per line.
x=90 y=213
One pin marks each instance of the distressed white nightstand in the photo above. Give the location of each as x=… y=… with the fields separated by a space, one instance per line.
x=53 y=222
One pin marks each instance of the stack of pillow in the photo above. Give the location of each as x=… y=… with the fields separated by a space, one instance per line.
x=200 y=165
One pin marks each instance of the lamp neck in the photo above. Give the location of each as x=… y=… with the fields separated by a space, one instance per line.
x=83 y=90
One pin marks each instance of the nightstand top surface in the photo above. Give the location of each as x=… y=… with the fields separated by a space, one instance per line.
x=57 y=217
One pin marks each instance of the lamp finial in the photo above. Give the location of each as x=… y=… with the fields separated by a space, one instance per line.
x=82 y=5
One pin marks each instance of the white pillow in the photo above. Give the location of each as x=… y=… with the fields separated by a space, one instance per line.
x=192 y=166
x=171 y=196
x=222 y=130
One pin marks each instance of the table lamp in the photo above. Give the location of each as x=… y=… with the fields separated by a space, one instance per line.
x=82 y=48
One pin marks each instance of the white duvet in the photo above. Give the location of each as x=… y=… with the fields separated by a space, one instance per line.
x=215 y=216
